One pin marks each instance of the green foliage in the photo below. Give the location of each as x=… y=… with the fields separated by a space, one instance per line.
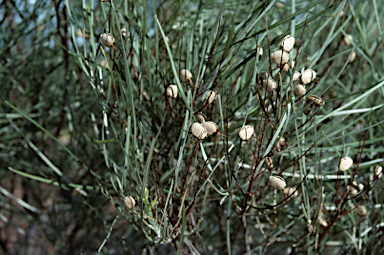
x=85 y=125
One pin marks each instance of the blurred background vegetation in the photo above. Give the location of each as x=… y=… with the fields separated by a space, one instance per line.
x=84 y=125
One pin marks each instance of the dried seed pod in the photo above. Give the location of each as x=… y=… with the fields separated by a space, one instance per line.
x=200 y=118
x=286 y=66
x=268 y=163
x=280 y=57
x=211 y=127
x=259 y=50
x=107 y=39
x=307 y=109
x=361 y=210
x=185 y=75
x=378 y=170
x=288 y=43
x=172 y=91
x=317 y=101
x=361 y=186
x=291 y=191
x=124 y=32
x=352 y=190
x=246 y=133
x=199 y=131
x=298 y=89
x=277 y=182
x=323 y=222
x=264 y=75
x=280 y=144
x=129 y=202
x=104 y=63
x=348 y=39
x=296 y=76
x=352 y=57
x=211 y=96
x=345 y=163
x=308 y=76
x=340 y=15
x=271 y=85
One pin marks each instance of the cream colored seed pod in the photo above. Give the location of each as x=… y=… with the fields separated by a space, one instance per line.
x=288 y=43
x=200 y=118
x=211 y=96
x=361 y=186
x=345 y=163
x=286 y=66
x=277 y=182
x=107 y=39
x=308 y=76
x=246 y=133
x=323 y=222
x=296 y=76
x=298 y=89
x=348 y=39
x=172 y=91
x=352 y=190
x=199 y=131
x=280 y=57
x=211 y=127
x=268 y=163
x=352 y=57
x=378 y=170
x=124 y=32
x=271 y=85
x=259 y=50
x=129 y=202
x=185 y=75
x=361 y=210
x=317 y=101
x=291 y=191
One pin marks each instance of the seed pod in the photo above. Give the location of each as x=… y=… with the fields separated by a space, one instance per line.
x=211 y=127
x=352 y=190
x=307 y=109
x=129 y=202
x=199 y=131
x=268 y=163
x=107 y=39
x=361 y=186
x=291 y=191
x=361 y=210
x=348 y=39
x=378 y=170
x=317 y=101
x=296 y=76
x=246 y=133
x=124 y=32
x=259 y=50
x=286 y=66
x=277 y=182
x=185 y=75
x=280 y=57
x=323 y=222
x=288 y=43
x=298 y=89
x=280 y=144
x=308 y=76
x=271 y=85
x=352 y=57
x=264 y=75
x=211 y=96
x=172 y=91
x=200 y=118
x=345 y=163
